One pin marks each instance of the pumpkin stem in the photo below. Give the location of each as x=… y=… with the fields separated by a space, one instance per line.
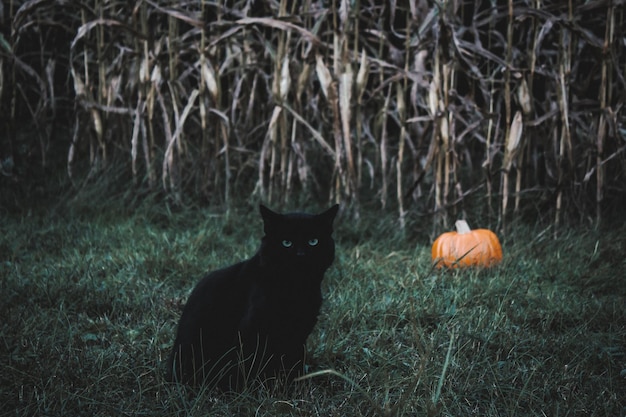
x=462 y=227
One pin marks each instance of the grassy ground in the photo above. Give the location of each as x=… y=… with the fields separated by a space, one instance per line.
x=89 y=303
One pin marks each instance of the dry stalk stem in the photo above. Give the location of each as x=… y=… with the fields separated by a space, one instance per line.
x=604 y=98
x=565 y=140
x=361 y=83
x=384 y=139
x=400 y=88
x=512 y=149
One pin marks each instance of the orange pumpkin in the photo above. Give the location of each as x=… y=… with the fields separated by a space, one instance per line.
x=466 y=247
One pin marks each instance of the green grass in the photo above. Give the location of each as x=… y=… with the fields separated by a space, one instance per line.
x=89 y=305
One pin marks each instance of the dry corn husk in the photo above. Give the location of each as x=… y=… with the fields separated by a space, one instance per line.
x=323 y=74
x=523 y=95
x=513 y=141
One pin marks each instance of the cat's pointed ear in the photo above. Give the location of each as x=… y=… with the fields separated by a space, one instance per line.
x=269 y=217
x=329 y=215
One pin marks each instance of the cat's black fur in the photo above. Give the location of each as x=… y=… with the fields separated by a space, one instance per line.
x=252 y=319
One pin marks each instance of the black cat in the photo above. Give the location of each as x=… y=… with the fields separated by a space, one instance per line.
x=252 y=319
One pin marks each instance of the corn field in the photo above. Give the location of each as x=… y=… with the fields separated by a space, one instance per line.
x=413 y=106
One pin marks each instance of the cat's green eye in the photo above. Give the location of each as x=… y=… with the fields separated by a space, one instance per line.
x=313 y=242
x=287 y=243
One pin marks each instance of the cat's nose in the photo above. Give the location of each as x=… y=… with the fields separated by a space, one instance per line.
x=300 y=252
